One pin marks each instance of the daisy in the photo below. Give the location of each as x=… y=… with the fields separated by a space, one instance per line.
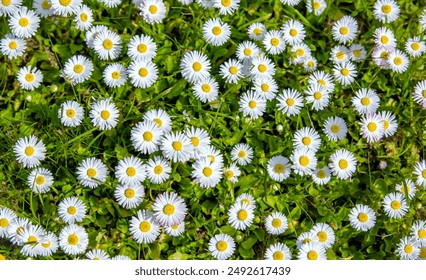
x=418 y=231
x=241 y=216
x=83 y=18
x=290 y=2
x=226 y=7
x=290 y=102
x=104 y=114
x=246 y=198
x=325 y=234
x=143 y=73
x=389 y=123
x=111 y=3
x=335 y=128
x=398 y=61
x=144 y=227
x=176 y=230
x=408 y=248
x=321 y=176
x=146 y=137
x=71 y=113
x=342 y=164
x=276 y=223
x=129 y=196
x=216 y=32
x=141 y=47
x=344 y=30
x=32 y=237
x=316 y=6
x=278 y=251
x=65 y=7
x=10 y=7
x=415 y=47
x=195 y=66
x=161 y=118
x=30 y=77
x=158 y=170
x=14 y=227
x=340 y=54
x=92 y=172
x=384 y=37
x=395 y=205
x=362 y=217
x=247 y=50
x=200 y=139
x=345 y=73
x=310 y=64
x=312 y=251
x=420 y=173
x=24 y=23
x=293 y=32
x=318 y=96
x=71 y=210
x=372 y=127
x=299 y=53
x=365 y=101
x=357 y=52
x=222 y=246
x=153 y=11
x=278 y=168
x=252 y=105
x=12 y=46
x=49 y=244
x=232 y=172
x=386 y=10
x=307 y=137
x=231 y=71
x=419 y=94
x=185 y=2
x=242 y=154
x=323 y=79
x=93 y=32
x=6 y=218
x=274 y=42
x=266 y=87
x=73 y=239
x=169 y=209
x=130 y=171
x=380 y=56
x=423 y=19
x=206 y=89
x=43 y=8
x=214 y=155
x=256 y=31
x=97 y=254
x=77 y=69
x=407 y=187
x=176 y=146
x=206 y=173
x=115 y=75
x=29 y=151
x=304 y=161
x=40 y=180
x=305 y=238
x=107 y=45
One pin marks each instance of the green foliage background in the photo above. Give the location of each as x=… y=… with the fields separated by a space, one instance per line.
x=304 y=203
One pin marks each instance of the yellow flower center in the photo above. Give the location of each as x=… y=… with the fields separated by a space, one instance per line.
x=196 y=66
x=175 y=226
x=70 y=113
x=396 y=205
x=340 y=55
x=242 y=215
x=408 y=249
x=343 y=164
x=306 y=141
x=247 y=52
x=242 y=154
x=116 y=75
x=195 y=141
x=415 y=46
x=424 y=93
x=226 y=3
x=229 y=174
x=84 y=17
x=29 y=151
x=293 y=32
x=233 y=70
x=158 y=169
x=143 y=72
x=147 y=136
x=421 y=233
x=345 y=71
x=365 y=101
x=317 y=95
x=32 y=239
x=72 y=210
x=422 y=253
x=362 y=217
x=211 y=157
x=144 y=226
x=385 y=124
x=278 y=255
x=177 y=145
x=23 y=22
x=384 y=55
x=105 y=114
x=29 y=77
x=245 y=200
x=372 y=126
x=311 y=63
x=207 y=171
x=304 y=161
x=217 y=30
x=275 y=42
x=169 y=209
x=13 y=45
x=129 y=193
x=279 y=168
x=312 y=255
x=317 y=5
x=108 y=44
x=78 y=68
x=142 y=48
x=262 y=68
x=357 y=53
x=46 y=5
x=384 y=39
x=206 y=88
x=153 y=9
x=222 y=245
x=91 y=172
x=322 y=236
x=344 y=30
x=300 y=52
x=276 y=223
x=397 y=60
x=424 y=174
x=264 y=87
x=131 y=171
x=46 y=245
x=6 y=2
x=386 y=8
x=39 y=180
x=159 y=122
x=257 y=31
x=335 y=128
x=4 y=223
x=290 y=101
x=321 y=174
x=2 y=257
x=72 y=239
x=322 y=83
x=252 y=104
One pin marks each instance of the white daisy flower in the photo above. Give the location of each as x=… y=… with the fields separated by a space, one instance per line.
x=343 y=164
x=146 y=137
x=293 y=32
x=129 y=196
x=161 y=118
x=92 y=33
x=390 y=124
x=13 y=228
x=357 y=52
x=362 y=217
x=144 y=227
x=252 y=105
x=7 y=216
x=312 y=251
x=365 y=101
x=340 y=54
x=345 y=73
x=398 y=61
x=71 y=210
x=115 y=75
x=307 y=137
x=256 y=31
x=213 y=154
x=206 y=89
x=206 y=173
x=24 y=23
x=222 y=246
x=242 y=154
x=169 y=209
x=299 y=52
x=12 y=46
x=407 y=187
x=418 y=231
x=65 y=7
x=274 y=42
x=323 y=79
x=185 y=2
x=408 y=248
x=10 y=7
x=415 y=47
x=246 y=198
x=83 y=17
x=143 y=73
x=384 y=37
x=49 y=244
x=304 y=161
x=226 y=7
x=158 y=170
x=97 y=254
x=200 y=140
x=111 y=3
x=380 y=56
x=423 y=19
x=195 y=66
x=318 y=96
x=71 y=113
x=290 y=102
x=247 y=50
x=141 y=47
x=276 y=223
x=176 y=146
x=43 y=8
x=104 y=114
x=175 y=230
x=241 y=216
x=316 y=6
x=386 y=10
x=395 y=205
x=335 y=128
x=29 y=151
x=232 y=172
x=130 y=171
x=310 y=64
x=419 y=94
x=305 y=238
x=153 y=11
x=40 y=180
x=321 y=176
x=325 y=234
x=278 y=251
x=345 y=29
x=231 y=71
x=92 y=172
x=279 y=168
x=420 y=173
x=73 y=239
x=30 y=77
x=372 y=127
x=216 y=32
x=32 y=237
x=266 y=87
x=290 y=2
x=107 y=45
x=77 y=69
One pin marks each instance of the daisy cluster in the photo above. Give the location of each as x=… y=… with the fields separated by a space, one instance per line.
x=160 y=144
